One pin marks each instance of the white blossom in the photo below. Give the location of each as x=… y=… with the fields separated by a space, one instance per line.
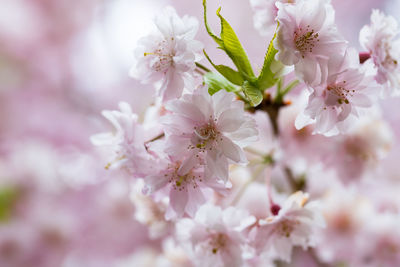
x=169 y=54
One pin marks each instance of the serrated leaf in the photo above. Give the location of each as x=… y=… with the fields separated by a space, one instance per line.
x=209 y=31
x=217 y=82
x=230 y=74
x=233 y=48
x=267 y=78
x=253 y=94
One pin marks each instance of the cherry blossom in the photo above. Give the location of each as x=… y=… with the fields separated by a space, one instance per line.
x=127 y=140
x=301 y=143
x=214 y=128
x=187 y=189
x=215 y=237
x=383 y=251
x=349 y=210
x=169 y=54
x=265 y=13
x=150 y=212
x=361 y=149
x=292 y=225
x=335 y=104
x=308 y=39
x=211 y=170
x=378 y=39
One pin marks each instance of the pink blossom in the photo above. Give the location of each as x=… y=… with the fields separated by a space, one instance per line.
x=383 y=244
x=265 y=13
x=50 y=226
x=346 y=211
x=360 y=150
x=334 y=104
x=150 y=212
x=308 y=39
x=293 y=225
x=127 y=140
x=214 y=128
x=187 y=189
x=300 y=143
x=169 y=54
x=171 y=255
x=378 y=39
x=215 y=237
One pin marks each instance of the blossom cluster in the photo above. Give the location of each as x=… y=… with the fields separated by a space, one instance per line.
x=188 y=162
x=294 y=164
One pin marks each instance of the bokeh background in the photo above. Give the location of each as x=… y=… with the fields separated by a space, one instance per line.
x=61 y=63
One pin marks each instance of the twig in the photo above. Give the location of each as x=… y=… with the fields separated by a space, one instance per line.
x=296 y=185
x=155 y=138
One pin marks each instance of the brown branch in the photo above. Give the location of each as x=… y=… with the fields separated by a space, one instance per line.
x=272 y=109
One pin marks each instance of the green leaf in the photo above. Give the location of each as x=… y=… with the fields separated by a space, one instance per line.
x=253 y=94
x=216 y=38
x=267 y=77
x=8 y=197
x=281 y=93
x=217 y=82
x=230 y=74
x=233 y=47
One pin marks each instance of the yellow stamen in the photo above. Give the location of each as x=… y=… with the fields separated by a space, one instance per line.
x=114 y=161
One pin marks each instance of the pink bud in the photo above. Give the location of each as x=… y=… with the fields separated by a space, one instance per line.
x=275 y=209
x=364 y=56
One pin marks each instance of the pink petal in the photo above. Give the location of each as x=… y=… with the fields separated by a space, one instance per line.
x=154 y=183
x=217 y=167
x=361 y=100
x=185 y=109
x=231 y=150
x=196 y=199
x=178 y=200
x=230 y=120
x=172 y=87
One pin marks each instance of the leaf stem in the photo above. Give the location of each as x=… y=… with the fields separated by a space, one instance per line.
x=201 y=66
x=290 y=86
x=253 y=151
x=161 y=135
x=239 y=194
x=199 y=72
x=281 y=93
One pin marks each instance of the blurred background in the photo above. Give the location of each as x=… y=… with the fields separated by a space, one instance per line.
x=61 y=63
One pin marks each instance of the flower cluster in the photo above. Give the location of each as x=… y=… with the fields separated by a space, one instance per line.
x=201 y=134
x=213 y=157
x=220 y=166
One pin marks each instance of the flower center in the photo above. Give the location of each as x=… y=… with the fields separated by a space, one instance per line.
x=218 y=242
x=389 y=62
x=305 y=39
x=338 y=94
x=286 y=227
x=205 y=136
x=163 y=57
x=342 y=223
x=357 y=148
x=180 y=182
